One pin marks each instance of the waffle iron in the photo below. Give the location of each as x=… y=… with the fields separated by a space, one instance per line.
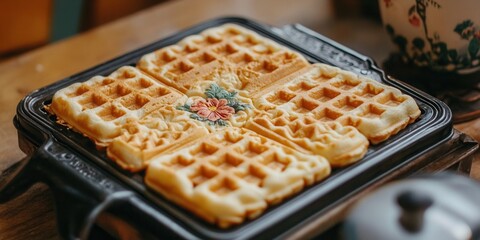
x=90 y=190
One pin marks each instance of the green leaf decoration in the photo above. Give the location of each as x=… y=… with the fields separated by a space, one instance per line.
x=215 y=91
x=473 y=47
x=421 y=9
x=221 y=122
x=418 y=43
x=238 y=106
x=231 y=95
x=185 y=107
x=452 y=53
x=441 y=48
x=460 y=28
x=443 y=59
x=196 y=117
x=401 y=43
x=390 y=30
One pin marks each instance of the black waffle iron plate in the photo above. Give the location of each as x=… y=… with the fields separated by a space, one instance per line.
x=91 y=190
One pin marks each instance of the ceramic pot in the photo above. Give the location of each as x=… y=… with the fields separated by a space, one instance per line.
x=442 y=35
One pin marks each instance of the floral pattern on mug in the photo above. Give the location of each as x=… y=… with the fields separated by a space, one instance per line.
x=413 y=17
x=217 y=108
x=434 y=52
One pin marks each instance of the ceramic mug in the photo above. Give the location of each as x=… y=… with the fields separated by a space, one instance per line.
x=442 y=35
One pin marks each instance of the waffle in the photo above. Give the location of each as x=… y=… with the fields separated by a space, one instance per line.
x=329 y=94
x=100 y=106
x=340 y=145
x=233 y=174
x=255 y=61
x=226 y=122
x=158 y=132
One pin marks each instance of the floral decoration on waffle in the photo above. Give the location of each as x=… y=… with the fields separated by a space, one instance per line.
x=227 y=122
x=218 y=106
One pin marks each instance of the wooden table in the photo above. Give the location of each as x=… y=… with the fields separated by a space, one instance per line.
x=31 y=215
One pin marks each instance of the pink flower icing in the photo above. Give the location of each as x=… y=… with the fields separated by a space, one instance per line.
x=213 y=109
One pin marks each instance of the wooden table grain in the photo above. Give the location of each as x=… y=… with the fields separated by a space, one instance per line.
x=31 y=216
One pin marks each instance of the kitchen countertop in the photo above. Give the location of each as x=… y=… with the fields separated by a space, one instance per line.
x=31 y=216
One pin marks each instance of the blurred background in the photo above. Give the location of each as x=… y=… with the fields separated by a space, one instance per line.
x=28 y=24
x=35 y=23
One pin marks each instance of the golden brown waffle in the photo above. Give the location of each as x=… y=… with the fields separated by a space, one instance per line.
x=100 y=106
x=231 y=122
x=255 y=60
x=340 y=145
x=330 y=94
x=233 y=174
x=163 y=129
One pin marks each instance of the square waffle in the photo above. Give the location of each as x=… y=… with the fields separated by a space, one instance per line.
x=100 y=106
x=233 y=174
x=329 y=94
x=340 y=145
x=255 y=60
x=227 y=122
x=156 y=133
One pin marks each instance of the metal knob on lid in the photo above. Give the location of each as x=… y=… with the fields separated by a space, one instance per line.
x=434 y=206
x=413 y=204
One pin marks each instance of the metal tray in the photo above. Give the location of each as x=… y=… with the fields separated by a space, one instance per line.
x=89 y=188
